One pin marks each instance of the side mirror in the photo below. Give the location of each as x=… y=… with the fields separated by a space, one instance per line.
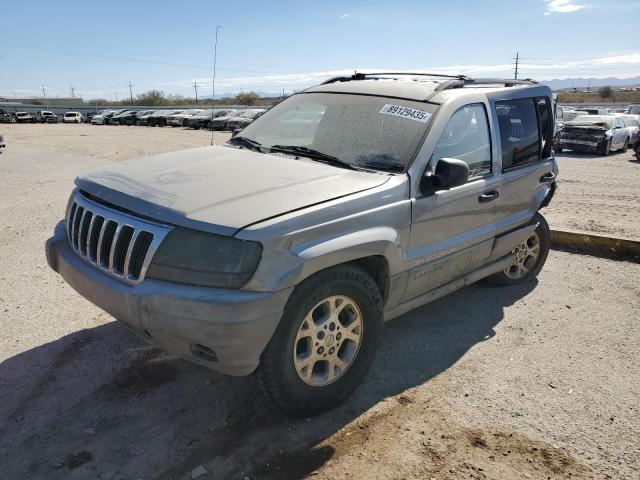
x=450 y=172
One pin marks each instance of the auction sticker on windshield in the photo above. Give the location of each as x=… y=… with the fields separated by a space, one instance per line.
x=405 y=112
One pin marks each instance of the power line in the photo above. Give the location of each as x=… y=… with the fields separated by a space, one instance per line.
x=213 y=81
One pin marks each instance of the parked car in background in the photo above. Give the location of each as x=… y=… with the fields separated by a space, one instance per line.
x=599 y=134
x=116 y=119
x=159 y=119
x=633 y=109
x=2 y=144
x=99 y=118
x=592 y=111
x=131 y=117
x=87 y=117
x=632 y=124
x=25 y=117
x=243 y=119
x=180 y=119
x=72 y=117
x=6 y=117
x=142 y=116
x=220 y=122
x=45 y=116
x=203 y=119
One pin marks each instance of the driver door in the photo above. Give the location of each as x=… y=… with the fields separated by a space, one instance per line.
x=453 y=230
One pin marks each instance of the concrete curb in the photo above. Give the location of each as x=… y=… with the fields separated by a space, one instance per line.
x=596 y=245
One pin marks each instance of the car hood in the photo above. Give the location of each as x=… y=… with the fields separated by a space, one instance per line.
x=222 y=189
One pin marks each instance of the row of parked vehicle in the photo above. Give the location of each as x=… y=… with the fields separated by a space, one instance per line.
x=41 y=116
x=596 y=130
x=213 y=119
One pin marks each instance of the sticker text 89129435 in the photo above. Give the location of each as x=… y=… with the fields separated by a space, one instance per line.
x=405 y=112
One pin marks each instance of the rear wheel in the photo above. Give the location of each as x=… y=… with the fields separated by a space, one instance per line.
x=325 y=342
x=531 y=256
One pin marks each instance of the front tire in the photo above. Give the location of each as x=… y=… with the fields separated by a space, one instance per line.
x=325 y=343
x=606 y=149
x=531 y=256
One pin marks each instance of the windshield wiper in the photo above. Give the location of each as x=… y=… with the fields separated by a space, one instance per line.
x=383 y=166
x=246 y=142
x=313 y=154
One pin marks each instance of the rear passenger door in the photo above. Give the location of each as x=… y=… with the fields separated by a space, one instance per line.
x=525 y=128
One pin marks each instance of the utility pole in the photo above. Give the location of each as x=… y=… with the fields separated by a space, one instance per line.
x=213 y=83
x=116 y=96
x=517 y=61
x=130 y=92
x=195 y=87
x=43 y=94
x=72 y=92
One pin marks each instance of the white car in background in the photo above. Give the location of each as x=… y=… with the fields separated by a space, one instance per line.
x=632 y=124
x=73 y=117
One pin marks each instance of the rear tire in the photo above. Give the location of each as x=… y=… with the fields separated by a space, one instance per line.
x=531 y=257
x=325 y=343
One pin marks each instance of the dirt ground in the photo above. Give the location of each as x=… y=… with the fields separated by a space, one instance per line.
x=598 y=195
x=537 y=381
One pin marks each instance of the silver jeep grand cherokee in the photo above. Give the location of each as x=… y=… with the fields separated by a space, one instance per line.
x=283 y=252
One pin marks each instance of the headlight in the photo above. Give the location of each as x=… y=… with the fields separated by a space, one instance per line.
x=205 y=259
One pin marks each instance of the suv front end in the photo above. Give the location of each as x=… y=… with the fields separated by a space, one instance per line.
x=143 y=273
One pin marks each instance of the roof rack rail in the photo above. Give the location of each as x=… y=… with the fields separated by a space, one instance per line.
x=363 y=76
x=507 y=82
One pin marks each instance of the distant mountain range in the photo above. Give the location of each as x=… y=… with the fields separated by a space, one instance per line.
x=582 y=83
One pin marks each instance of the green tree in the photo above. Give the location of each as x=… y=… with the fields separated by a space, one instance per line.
x=247 y=98
x=605 y=92
x=152 y=97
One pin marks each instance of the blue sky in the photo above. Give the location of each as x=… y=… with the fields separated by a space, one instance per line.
x=98 y=47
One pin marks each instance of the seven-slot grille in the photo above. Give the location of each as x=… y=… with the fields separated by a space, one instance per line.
x=119 y=244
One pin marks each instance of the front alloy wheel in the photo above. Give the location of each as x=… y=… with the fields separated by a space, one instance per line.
x=328 y=341
x=325 y=342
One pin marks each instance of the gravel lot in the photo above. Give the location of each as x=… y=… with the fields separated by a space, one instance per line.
x=540 y=381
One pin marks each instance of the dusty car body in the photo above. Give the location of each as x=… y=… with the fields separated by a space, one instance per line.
x=599 y=134
x=392 y=193
x=72 y=117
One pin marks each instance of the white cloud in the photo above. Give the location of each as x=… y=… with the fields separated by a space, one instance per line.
x=561 y=6
x=345 y=15
x=621 y=66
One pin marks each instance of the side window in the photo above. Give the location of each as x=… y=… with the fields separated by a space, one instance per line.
x=546 y=125
x=519 y=134
x=466 y=137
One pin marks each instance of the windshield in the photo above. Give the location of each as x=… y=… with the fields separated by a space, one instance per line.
x=365 y=131
x=249 y=114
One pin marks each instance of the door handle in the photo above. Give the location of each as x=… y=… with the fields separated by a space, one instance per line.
x=489 y=196
x=547 y=177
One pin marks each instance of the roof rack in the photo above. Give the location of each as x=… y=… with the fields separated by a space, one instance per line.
x=507 y=82
x=456 y=81
x=363 y=76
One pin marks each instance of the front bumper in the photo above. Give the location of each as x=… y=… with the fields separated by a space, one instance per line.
x=179 y=319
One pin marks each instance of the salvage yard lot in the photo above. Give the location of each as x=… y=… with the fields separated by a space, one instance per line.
x=525 y=382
